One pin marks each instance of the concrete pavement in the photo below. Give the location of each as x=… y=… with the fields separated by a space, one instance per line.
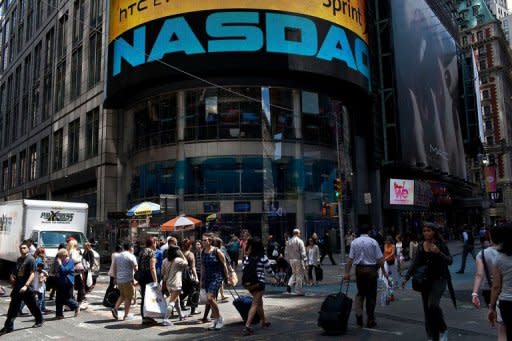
x=292 y=317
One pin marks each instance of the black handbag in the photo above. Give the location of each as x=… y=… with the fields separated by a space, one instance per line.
x=319 y=273
x=486 y=293
x=419 y=278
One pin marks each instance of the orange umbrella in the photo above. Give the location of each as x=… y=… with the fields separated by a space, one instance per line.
x=180 y=223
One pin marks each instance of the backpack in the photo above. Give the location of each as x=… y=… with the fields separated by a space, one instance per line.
x=250 y=274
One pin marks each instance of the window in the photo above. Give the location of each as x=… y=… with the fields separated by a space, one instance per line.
x=22 y=176
x=485 y=94
x=96 y=14
x=484 y=80
x=482 y=50
x=5 y=175
x=93 y=129
x=61 y=37
x=60 y=85
x=94 y=65
x=476 y=10
x=487 y=110
x=483 y=65
x=49 y=50
x=13 y=172
x=57 y=149
x=51 y=5
x=34 y=111
x=37 y=61
x=488 y=124
x=47 y=97
x=73 y=141
x=78 y=21
x=30 y=18
x=76 y=73
x=45 y=156
x=479 y=35
x=464 y=40
x=32 y=162
x=39 y=13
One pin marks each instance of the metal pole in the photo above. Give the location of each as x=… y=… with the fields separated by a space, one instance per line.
x=340 y=200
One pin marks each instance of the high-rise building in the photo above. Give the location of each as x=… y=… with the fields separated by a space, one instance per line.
x=484 y=41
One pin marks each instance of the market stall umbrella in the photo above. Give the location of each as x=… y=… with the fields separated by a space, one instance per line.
x=144 y=209
x=180 y=223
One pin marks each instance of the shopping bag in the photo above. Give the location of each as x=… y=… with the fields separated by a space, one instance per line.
x=154 y=302
x=88 y=281
x=203 y=298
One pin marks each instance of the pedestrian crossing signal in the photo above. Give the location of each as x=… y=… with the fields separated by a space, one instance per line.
x=337 y=188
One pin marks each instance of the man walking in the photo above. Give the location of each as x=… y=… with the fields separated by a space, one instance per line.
x=124 y=266
x=326 y=249
x=366 y=255
x=469 y=247
x=21 y=291
x=295 y=252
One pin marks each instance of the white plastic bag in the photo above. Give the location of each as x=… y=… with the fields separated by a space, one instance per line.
x=203 y=298
x=154 y=302
x=88 y=281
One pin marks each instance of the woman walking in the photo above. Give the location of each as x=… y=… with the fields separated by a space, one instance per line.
x=89 y=257
x=257 y=261
x=483 y=277
x=74 y=254
x=191 y=284
x=65 y=281
x=147 y=269
x=390 y=259
x=502 y=282
x=434 y=257
x=172 y=268
x=213 y=273
x=313 y=259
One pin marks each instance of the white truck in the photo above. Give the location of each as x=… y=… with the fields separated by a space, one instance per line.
x=48 y=223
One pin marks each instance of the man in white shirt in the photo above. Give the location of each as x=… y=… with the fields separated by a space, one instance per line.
x=365 y=253
x=124 y=266
x=295 y=253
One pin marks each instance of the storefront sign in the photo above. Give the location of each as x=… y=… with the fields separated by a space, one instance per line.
x=326 y=37
x=401 y=192
x=242 y=206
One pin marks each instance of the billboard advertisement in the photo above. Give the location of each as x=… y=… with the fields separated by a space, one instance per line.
x=154 y=43
x=401 y=192
x=427 y=89
x=490 y=179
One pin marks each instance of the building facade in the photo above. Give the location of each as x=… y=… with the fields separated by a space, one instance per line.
x=483 y=40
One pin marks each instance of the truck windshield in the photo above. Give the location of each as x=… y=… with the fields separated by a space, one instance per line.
x=52 y=239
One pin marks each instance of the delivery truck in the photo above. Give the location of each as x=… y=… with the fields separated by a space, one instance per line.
x=47 y=223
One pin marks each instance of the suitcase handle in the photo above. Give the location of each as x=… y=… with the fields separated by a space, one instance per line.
x=231 y=292
x=341 y=286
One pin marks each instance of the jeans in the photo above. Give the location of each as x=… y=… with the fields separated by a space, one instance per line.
x=63 y=297
x=434 y=319
x=506 y=314
x=40 y=301
x=29 y=299
x=465 y=251
x=366 y=280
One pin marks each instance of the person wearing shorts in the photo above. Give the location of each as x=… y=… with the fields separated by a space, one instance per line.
x=123 y=268
x=255 y=250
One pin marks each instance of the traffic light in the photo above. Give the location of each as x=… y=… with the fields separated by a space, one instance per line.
x=337 y=188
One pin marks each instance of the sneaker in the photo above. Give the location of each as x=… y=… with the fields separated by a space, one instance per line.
x=114 y=313
x=220 y=323
x=59 y=317
x=166 y=322
x=129 y=317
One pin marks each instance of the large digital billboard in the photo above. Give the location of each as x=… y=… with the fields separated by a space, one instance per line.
x=155 y=43
x=427 y=88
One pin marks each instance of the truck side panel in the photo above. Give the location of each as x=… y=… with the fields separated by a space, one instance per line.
x=11 y=230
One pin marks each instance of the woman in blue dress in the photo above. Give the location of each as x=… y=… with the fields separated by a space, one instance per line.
x=213 y=272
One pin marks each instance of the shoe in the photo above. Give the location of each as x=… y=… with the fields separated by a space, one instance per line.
x=220 y=323
x=4 y=331
x=247 y=331
x=359 y=321
x=205 y=320
x=193 y=311
x=213 y=325
x=166 y=322
x=77 y=311
x=59 y=317
x=114 y=313
x=38 y=324
x=371 y=324
x=265 y=324
x=444 y=336
x=129 y=317
x=460 y=272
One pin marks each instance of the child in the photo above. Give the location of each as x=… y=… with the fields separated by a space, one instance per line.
x=39 y=285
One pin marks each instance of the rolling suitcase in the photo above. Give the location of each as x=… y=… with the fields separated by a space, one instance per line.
x=335 y=312
x=242 y=305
